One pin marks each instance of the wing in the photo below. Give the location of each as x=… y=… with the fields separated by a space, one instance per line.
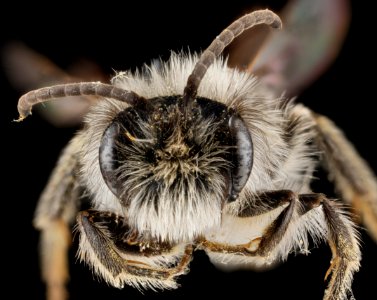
x=28 y=70
x=290 y=59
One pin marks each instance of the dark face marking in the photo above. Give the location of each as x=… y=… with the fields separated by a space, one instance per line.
x=157 y=147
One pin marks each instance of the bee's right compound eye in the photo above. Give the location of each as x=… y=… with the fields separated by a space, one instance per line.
x=242 y=158
x=118 y=146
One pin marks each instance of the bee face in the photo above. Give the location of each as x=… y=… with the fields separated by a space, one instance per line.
x=158 y=160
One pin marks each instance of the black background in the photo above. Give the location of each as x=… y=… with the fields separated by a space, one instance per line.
x=119 y=38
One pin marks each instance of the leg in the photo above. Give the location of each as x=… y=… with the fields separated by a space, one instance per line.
x=345 y=252
x=352 y=176
x=55 y=212
x=307 y=213
x=120 y=256
x=285 y=203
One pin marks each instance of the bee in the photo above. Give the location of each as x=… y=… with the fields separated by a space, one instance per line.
x=191 y=155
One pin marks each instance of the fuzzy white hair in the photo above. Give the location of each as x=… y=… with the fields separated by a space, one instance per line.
x=282 y=152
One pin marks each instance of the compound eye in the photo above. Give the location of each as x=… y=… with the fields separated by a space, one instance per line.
x=242 y=156
x=122 y=145
x=109 y=157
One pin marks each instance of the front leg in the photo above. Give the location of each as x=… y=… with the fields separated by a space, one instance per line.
x=257 y=240
x=266 y=221
x=122 y=256
x=55 y=213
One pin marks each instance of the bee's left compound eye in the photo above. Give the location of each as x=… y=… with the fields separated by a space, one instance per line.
x=242 y=155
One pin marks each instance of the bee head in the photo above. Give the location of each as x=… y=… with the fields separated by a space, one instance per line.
x=175 y=161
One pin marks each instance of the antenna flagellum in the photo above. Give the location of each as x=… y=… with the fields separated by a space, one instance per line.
x=217 y=46
x=31 y=98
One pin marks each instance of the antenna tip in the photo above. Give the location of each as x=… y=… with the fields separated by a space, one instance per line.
x=272 y=19
x=22 y=116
